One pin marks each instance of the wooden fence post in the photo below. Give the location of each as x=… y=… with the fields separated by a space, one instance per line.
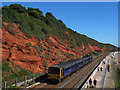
x=25 y=79
x=5 y=85
x=33 y=77
x=16 y=81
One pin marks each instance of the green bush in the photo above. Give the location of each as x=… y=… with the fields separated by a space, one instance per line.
x=5 y=43
x=28 y=36
x=35 y=14
x=23 y=71
x=34 y=9
x=15 y=75
x=28 y=44
x=18 y=8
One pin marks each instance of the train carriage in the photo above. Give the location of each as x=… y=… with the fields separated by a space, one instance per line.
x=64 y=69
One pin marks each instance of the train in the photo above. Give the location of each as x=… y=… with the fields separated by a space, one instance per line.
x=60 y=71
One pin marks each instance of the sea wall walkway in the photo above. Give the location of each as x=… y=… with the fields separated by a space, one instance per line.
x=104 y=77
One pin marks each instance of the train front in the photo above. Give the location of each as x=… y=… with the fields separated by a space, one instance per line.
x=54 y=74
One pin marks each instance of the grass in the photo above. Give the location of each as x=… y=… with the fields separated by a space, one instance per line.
x=17 y=72
x=6 y=67
x=30 y=83
x=20 y=74
x=13 y=87
x=10 y=73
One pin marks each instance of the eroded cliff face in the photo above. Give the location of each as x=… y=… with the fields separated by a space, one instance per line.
x=29 y=53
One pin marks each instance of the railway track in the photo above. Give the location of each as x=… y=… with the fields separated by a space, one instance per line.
x=77 y=79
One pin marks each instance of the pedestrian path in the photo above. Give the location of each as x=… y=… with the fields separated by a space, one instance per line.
x=110 y=79
x=104 y=78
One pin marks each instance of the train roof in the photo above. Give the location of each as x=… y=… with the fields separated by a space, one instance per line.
x=69 y=63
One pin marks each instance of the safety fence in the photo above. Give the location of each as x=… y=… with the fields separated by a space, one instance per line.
x=22 y=81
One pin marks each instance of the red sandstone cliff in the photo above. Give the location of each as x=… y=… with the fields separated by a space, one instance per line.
x=17 y=48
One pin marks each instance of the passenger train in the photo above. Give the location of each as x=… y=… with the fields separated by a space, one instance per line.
x=60 y=71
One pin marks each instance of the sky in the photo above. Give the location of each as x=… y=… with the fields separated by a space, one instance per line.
x=97 y=20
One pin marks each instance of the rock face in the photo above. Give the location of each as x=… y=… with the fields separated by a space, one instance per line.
x=14 y=47
x=29 y=53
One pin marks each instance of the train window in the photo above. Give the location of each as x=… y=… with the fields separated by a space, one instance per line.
x=69 y=67
x=53 y=70
x=66 y=69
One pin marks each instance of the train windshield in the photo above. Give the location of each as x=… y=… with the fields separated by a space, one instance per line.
x=53 y=70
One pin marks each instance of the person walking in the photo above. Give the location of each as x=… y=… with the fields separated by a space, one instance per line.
x=95 y=82
x=98 y=68
x=108 y=68
x=90 y=82
x=101 y=68
x=103 y=62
